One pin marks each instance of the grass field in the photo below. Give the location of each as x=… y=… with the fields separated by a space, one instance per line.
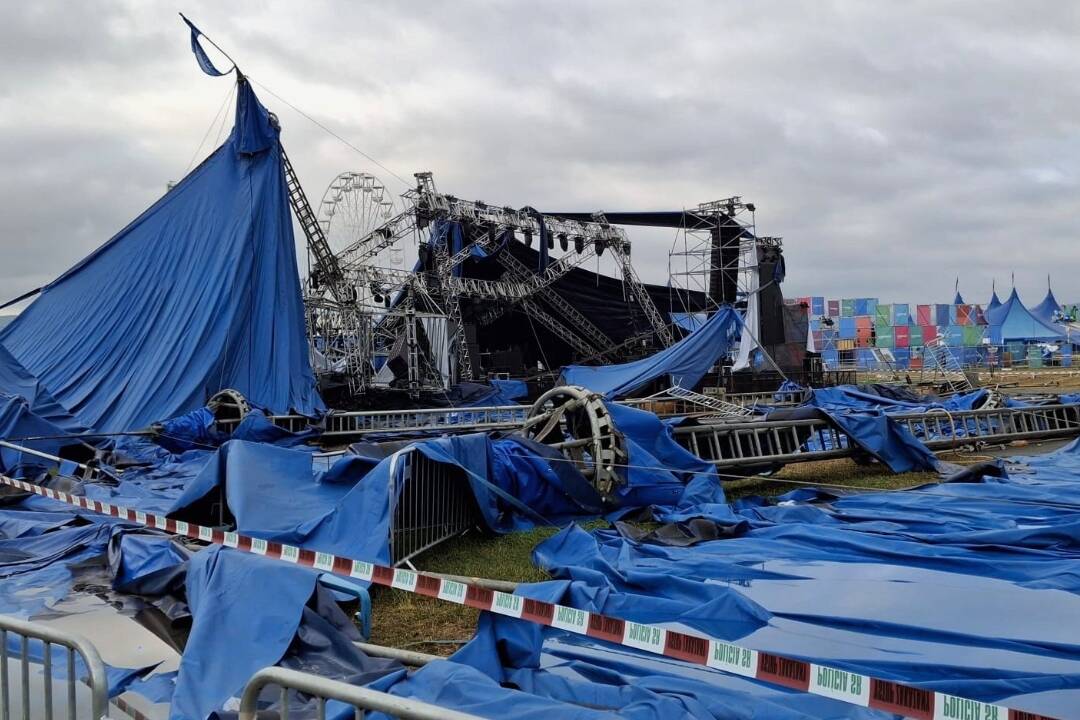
x=409 y=621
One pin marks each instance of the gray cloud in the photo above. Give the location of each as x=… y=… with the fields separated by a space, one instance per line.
x=894 y=146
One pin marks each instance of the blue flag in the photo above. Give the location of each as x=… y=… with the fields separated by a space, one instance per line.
x=200 y=54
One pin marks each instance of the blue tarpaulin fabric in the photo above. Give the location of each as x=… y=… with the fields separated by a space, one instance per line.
x=688 y=321
x=864 y=416
x=881 y=583
x=246 y=613
x=658 y=469
x=511 y=389
x=18 y=424
x=200 y=55
x=881 y=436
x=878 y=583
x=17 y=380
x=274 y=494
x=852 y=397
x=686 y=362
x=198 y=294
x=499 y=392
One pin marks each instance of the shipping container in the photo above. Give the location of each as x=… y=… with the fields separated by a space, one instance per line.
x=901 y=335
x=900 y=314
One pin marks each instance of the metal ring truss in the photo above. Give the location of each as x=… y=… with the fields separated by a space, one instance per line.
x=229 y=407
x=576 y=422
x=353 y=206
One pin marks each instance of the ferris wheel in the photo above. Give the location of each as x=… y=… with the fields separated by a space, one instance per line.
x=353 y=206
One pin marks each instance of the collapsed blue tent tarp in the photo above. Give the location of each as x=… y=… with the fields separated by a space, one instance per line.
x=197 y=294
x=15 y=380
x=1014 y=322
x=686 y=362
x=879 y=583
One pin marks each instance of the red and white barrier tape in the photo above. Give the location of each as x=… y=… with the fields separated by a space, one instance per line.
x=849 y=687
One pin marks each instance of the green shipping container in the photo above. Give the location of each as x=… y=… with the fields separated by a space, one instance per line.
x=972 y=335
x=915 y=333
x=883 y=315
x=885 y=339
x=847 y=308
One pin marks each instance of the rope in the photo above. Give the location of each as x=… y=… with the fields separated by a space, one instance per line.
x=333 y=134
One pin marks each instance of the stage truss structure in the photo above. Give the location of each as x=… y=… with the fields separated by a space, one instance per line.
x=377 y=324
x=718 y=252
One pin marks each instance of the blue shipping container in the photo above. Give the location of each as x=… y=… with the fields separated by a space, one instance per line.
x=900 y=314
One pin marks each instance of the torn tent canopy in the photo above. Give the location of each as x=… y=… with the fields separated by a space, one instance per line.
x=685 y=362
x=197 y=294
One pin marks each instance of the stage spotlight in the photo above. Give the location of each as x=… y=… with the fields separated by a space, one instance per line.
x=564 y=242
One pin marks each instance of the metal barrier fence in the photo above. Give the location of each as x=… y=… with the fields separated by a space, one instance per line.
x=27 y=635
x=323 y=689
x=434 y=503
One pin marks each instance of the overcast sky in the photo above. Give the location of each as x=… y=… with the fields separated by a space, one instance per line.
x=894 y=146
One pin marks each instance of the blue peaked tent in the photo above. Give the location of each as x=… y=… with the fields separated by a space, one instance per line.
x=994 y=303
x=1046 y=309
x=199 y=293
x=1011 y=321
